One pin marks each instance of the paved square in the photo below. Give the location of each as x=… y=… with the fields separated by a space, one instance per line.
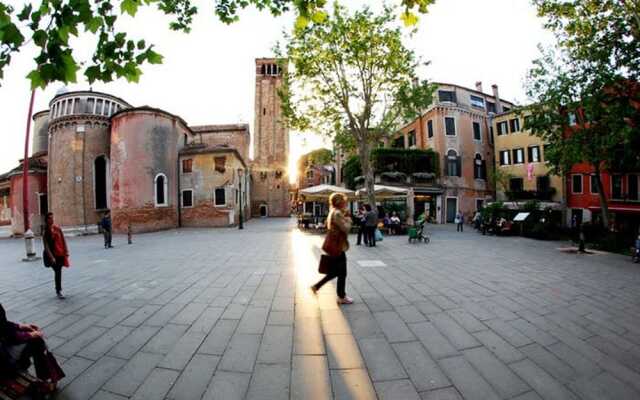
x=227 y=314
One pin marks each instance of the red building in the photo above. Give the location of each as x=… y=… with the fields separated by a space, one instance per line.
x=620 y=190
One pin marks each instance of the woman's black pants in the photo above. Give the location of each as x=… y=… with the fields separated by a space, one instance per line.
x=57 y=271
x=338 y=270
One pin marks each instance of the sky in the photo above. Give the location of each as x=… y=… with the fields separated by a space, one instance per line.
x=208 y=75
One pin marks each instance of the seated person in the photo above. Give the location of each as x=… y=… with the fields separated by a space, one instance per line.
x=19 y=343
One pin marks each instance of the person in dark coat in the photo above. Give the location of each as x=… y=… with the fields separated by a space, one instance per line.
x=105 y=224
x=19 y=344
x=55 y=249
x=361 y=219
x=371 y=225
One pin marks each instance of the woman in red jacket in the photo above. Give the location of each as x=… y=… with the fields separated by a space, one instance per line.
x=55 y=249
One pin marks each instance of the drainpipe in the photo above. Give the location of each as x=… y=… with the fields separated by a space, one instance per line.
x=179 y=194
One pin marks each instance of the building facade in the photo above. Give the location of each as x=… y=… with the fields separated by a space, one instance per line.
x=271 y=196
x=520 y=156
x=458 y=126
x=95 y=152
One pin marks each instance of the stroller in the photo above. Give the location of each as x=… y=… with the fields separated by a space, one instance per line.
x=419 y=233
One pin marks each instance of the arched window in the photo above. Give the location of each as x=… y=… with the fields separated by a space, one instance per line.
x=453 y=163
x=100 y=171
x=479 y=167
x=160 y=190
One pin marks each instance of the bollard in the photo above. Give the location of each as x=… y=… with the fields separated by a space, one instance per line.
x=28 y=241
x=129 y=233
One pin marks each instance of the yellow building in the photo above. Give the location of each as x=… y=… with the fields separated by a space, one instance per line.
x=521 y=156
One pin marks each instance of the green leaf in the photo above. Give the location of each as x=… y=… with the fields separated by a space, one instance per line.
x=141 y=44
x=63 y=34
x=301 y=22
x=40 y=38
x=70 y=68
x=36 y=79
x=319 y=17
x=25 y=13
x=92 y=73
x=93 y=24
x=409 y=18
x=153 y=57
x=129 y=6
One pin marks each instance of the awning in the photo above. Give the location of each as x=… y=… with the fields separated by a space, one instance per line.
x=322 y=192
x=382 y=191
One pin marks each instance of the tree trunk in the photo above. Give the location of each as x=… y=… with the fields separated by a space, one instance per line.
x=364 y=152
x=603 y=199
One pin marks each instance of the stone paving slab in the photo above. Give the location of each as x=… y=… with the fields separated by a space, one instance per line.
x=200 y=314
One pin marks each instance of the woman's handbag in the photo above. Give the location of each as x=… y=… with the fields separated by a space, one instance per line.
x=334 y=242
x=326 y=262
x=46 y=259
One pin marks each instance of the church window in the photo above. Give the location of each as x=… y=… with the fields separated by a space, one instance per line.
x=98 y=107
x=278 y=174
x=100 y=181
x=264 y=111
x=219 y=197
x=160 y=190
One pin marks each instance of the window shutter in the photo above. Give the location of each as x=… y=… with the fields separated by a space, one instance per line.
x=530 y=154
x=483 y=169
x=459 y=165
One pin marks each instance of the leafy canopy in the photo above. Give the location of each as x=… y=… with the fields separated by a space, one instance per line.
x=50 y=24
x=315 y=157
x=585 y=92
x=351 y=76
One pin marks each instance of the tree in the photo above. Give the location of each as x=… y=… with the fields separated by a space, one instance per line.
x=352 y=76
x=590 y=78
x=315 y=157
x=50 y=24
x=501 y=180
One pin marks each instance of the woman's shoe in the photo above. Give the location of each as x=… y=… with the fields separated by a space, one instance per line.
x=60 y=295
x=345 y=300
x=314 y=289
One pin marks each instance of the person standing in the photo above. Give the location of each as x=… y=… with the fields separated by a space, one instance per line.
x=459 y=221
x=361 y=219
x=338 y=227
x=55 y=249
x=371 y=225
x=106 y=229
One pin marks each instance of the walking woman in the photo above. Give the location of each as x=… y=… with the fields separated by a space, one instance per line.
x=56 y=251
x=19 y=343
x=336 y=244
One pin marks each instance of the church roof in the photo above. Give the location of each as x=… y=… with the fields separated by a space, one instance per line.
x=220 y=128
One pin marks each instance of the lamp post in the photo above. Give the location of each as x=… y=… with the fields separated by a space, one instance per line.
x=28 y=234
x=240 y=176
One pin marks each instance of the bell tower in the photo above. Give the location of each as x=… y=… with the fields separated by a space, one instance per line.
x=270 y=181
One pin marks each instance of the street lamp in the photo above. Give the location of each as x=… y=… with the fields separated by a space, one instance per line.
x=28 y=233
x=240 y=176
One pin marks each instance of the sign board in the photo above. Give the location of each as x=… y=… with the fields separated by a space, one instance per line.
x=521 y=217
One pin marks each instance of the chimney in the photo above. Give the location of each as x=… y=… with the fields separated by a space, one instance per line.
x=479 y=86
x=496 y=96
